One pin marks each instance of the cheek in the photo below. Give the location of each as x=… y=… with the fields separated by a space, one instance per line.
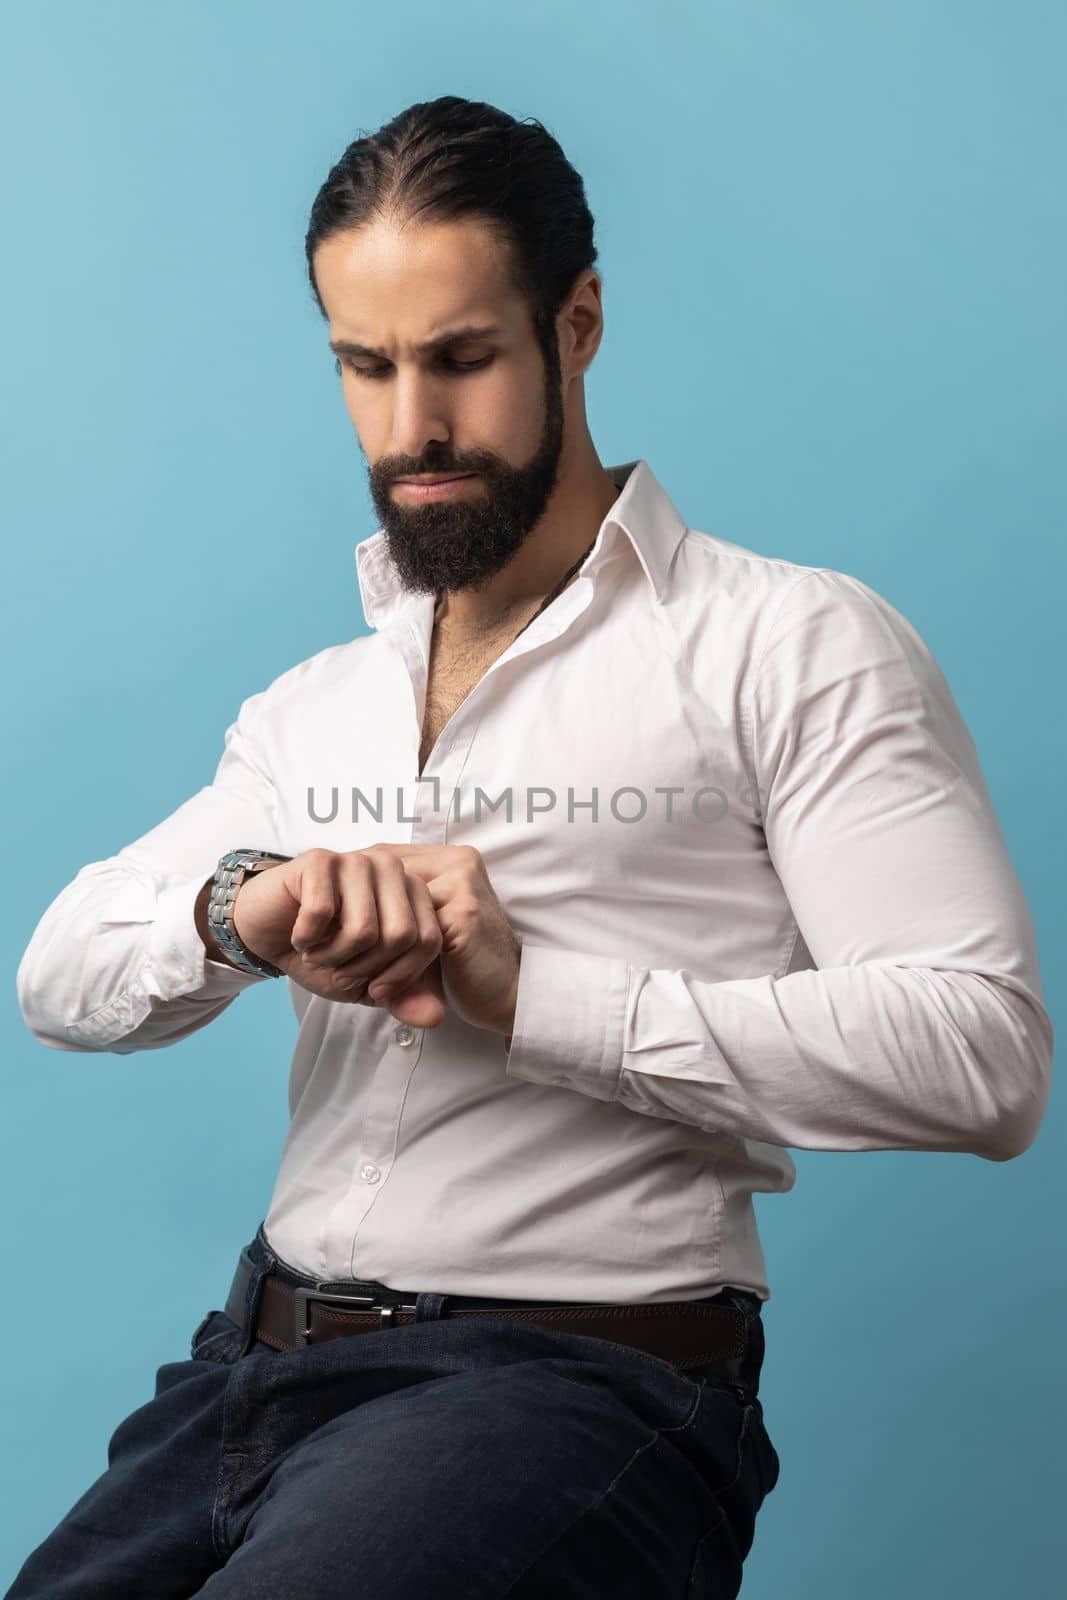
x=369 y=421
x=502 y=412
x=357 y=411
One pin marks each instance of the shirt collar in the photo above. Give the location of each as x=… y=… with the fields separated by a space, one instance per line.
x=643 y=511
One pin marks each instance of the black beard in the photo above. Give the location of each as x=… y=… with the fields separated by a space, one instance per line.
x=462 y=543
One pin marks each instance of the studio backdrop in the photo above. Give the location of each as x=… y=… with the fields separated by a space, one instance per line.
x=832 y=246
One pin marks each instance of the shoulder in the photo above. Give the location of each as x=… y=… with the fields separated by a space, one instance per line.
x=739 y=591
x=313 y=680
x=833 y=614
x=781 y=594
x=707 y=565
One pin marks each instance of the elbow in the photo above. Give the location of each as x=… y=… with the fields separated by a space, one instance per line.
x=1020 y=1113
x=43 y=988
x=45 y=1023
x=46 y=1026
x=50 y=1026
x=1015 y=1070
x=55 y=1042
x=1016 y=1127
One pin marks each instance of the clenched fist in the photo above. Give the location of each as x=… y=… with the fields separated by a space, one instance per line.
x=420 y=926
x=333 y=920
x=481 y=953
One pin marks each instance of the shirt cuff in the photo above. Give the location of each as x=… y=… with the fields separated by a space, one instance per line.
x=178 y=965
x=570 y=1018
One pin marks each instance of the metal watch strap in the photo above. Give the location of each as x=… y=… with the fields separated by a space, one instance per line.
x=233 y=868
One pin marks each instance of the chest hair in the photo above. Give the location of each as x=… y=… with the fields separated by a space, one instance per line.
x=456 y=665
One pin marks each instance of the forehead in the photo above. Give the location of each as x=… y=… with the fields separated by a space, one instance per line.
x=386 y=281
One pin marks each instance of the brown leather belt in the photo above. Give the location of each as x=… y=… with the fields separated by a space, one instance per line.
x=685 y=1333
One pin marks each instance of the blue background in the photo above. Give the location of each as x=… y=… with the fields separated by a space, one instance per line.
x=832 y=243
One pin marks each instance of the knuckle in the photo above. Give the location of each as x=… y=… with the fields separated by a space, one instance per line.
x=400 y=940
x=317 y=902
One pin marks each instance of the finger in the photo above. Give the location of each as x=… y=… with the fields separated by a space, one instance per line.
x=421 y=1005
x=318 y=899
x=403 y=971
x=376 y=921
x=354 y=927
x=428 y=861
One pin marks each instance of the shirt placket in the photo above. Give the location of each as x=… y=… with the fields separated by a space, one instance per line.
x=430 y=805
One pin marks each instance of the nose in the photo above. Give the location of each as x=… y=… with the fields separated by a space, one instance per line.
x=420 y=415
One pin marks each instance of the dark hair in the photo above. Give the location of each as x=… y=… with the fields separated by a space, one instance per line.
x=449 y=158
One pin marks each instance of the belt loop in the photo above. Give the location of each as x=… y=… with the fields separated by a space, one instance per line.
x=429 y=1307
x=755 y=1343
x=261 y=1270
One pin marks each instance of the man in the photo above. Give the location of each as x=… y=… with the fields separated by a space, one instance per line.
x=615 y=860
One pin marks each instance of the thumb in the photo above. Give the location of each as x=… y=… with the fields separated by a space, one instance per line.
x=422 y=1003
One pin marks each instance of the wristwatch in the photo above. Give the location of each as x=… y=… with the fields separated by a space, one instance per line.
x=233 y=868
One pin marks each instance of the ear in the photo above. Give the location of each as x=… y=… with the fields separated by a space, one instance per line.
x=580 y=324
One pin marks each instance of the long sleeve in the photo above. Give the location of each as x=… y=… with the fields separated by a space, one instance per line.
x=922 y=1025
x=116 y=962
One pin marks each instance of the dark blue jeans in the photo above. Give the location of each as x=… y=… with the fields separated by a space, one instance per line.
x=474 y=1458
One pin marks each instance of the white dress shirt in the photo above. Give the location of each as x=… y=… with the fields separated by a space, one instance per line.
x=790 y=920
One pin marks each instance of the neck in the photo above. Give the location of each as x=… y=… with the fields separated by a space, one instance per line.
x=570 y=524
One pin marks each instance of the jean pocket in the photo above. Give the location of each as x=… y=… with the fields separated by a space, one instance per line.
x=217 y=1338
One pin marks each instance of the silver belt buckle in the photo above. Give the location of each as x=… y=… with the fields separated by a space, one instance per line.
x=303 y=1297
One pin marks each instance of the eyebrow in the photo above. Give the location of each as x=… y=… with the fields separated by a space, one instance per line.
x=470 y=330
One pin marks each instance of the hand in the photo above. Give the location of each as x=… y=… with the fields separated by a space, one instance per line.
x=479 y=959
x=333 y=920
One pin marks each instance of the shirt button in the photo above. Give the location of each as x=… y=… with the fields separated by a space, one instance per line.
x=370 y=1173
x=403 y=1034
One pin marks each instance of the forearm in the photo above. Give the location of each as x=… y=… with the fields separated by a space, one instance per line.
x=122 y=959
x=867 y=1057
x=116 y=963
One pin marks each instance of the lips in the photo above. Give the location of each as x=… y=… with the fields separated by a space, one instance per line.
x=443 y=489
x=428 y=483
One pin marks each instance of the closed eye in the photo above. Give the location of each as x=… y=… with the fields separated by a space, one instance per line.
x=379 y=372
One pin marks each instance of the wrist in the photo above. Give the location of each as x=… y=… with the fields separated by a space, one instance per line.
x=211 y=949
x=232 y=872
